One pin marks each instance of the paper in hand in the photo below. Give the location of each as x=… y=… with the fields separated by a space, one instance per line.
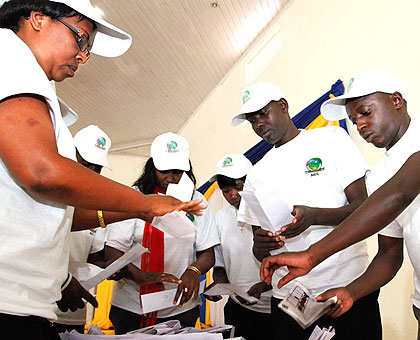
x=183 y=190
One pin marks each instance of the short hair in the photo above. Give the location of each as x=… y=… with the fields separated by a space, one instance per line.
x=147 y=180
x=226 y=182
x=13 y=11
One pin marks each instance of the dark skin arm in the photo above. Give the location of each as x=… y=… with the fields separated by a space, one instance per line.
x=191 y=280
x=135 y=274
x=265 y=241
x=42 y=172
x=380 y=209
x=381 y=270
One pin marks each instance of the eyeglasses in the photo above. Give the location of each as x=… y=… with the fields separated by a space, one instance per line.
x=82 y=39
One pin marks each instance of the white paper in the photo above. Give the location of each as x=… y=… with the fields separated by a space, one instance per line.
x=175 y=223
x=90 y=275
x=322 y=334
x=164 y=299
x=273 y=212
x=183 y=190
x=303 y=307
x=230 y=289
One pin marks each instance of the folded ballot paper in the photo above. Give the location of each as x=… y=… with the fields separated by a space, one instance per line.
x=272 y=212
x=90 y=275
x=304 y=308
x=322 y=334
x=231 y=289
x=177 y=223
x=163 y=299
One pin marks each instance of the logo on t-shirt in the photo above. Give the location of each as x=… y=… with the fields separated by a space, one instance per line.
x=313 y=166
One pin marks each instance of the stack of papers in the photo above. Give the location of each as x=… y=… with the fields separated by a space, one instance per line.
x=273 y=212
x=303 y=307
x=231 y=289
x=322 y=334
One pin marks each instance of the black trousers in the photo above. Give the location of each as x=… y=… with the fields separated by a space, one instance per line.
x=249 y=324
x=361 y=322
x=24 y=327
x=125 y=321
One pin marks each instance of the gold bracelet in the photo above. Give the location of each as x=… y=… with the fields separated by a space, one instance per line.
x=194 y=269
x=101 y=219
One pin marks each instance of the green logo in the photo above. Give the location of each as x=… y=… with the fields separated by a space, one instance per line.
x=245 y=97
x=350 y=84
x=314 y=165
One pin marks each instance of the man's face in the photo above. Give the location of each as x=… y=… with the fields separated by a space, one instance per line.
x=231 y=194
x=377 y=118
x=272 y=122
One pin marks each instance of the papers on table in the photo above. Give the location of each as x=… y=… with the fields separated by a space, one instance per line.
x=231 y=289
x=303 y=307
x=163 y=299
x=90 y=275
x=272 y=212
x=322 y=334
x=183 y=190
x=167 y=330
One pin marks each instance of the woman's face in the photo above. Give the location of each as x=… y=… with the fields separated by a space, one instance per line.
x=163 y=178
x=60 y=56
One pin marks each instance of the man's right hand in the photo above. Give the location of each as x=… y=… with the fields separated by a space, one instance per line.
x=73 y=297
x=344 y=302
x=298 y=264
x=264 y=242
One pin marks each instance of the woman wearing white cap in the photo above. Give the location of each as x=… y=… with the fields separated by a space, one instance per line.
x=42 y=41
x=186 y=257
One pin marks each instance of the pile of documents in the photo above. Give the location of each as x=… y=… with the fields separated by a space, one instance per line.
x=163 y=331
x=322 y=334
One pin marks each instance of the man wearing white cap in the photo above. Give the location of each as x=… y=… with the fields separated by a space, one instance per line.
x=92 y=146
x=376 y=102
x=320 y=173
x=235 y=262
x=44 y=191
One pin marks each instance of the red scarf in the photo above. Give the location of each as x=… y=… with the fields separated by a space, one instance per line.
x=152 y=262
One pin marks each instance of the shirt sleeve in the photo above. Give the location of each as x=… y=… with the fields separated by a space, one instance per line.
x=121 y=234
x=394 y=229
x=350 y=163
x=99 y=240
x=206 y=236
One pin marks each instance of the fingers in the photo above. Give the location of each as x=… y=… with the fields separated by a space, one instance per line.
x=89 y=298
x=193 y=207
x=165 y=277
x=286 y=279
x=213 y=298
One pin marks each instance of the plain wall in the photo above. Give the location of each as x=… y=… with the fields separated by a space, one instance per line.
x=321 y=41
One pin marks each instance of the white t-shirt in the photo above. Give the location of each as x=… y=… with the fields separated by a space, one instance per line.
x=179 y=253
x=234 y=254
x=313 y=169
x=82 y=243
x=34 y=253
x=407 y=224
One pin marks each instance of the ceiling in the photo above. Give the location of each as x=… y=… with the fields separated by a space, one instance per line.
x=181 y=51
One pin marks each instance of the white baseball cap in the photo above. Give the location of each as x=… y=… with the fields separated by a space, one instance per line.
x=254 y=97
x=170 y=151
x=233 y=166
x=362 y=84
x=109 y=41
x=93 y=145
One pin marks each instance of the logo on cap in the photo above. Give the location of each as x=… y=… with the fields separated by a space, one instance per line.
x=350 y=84
x=172 y=146
x=314 y=165
x=100 y=143
x=245 y=96
x=227 y=162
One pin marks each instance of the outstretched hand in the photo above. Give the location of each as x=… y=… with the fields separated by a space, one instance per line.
x=298 y=264
x=161 y=205
x=303 y=218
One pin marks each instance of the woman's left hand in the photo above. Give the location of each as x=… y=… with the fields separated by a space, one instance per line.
x=188 y=288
